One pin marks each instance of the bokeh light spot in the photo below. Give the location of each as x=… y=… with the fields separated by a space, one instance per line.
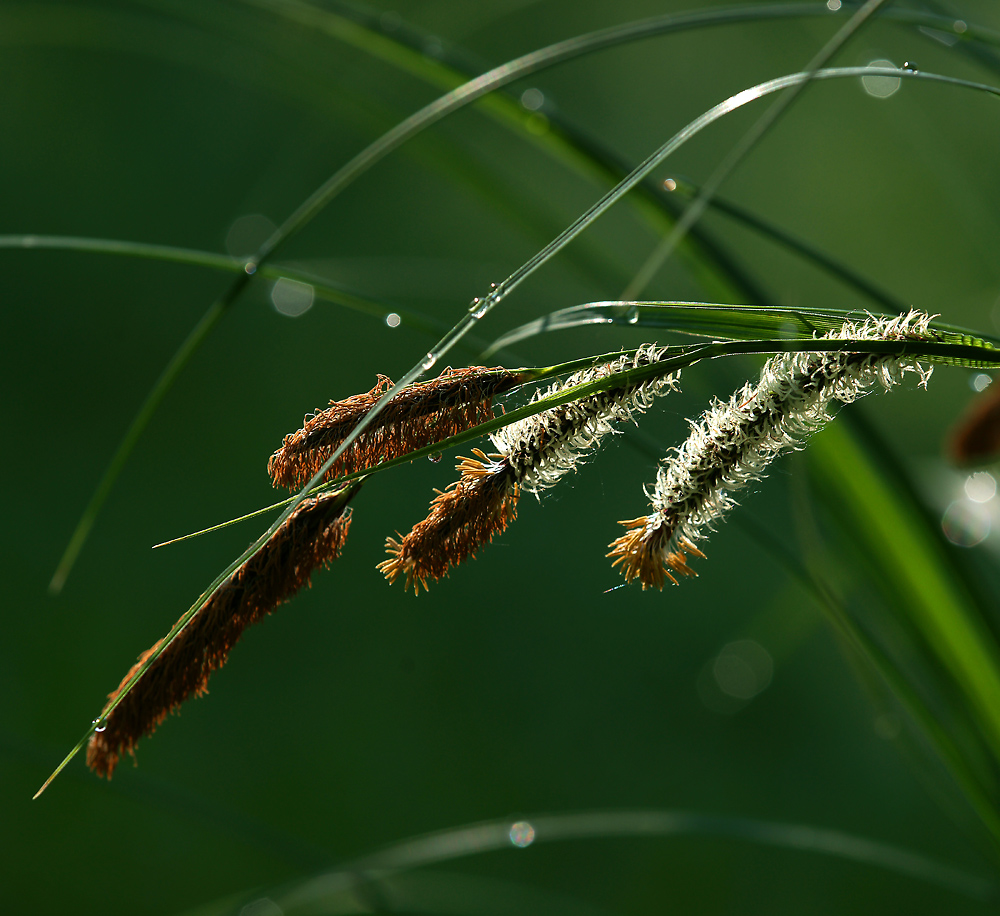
x=981 y=487
x=980 y=382
x=393 y=320
x=532 y=99
x=881 y=87
x=292 y=297
x=522 y=834
x=966 y=523
x=833 y=5
x=743 y=669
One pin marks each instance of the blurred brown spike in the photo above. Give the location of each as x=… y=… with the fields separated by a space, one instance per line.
x=312 y=536
x=976 y=438
x=477 y=506
x=419 y=415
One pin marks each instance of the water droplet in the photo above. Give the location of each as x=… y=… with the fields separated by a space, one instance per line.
x=909 y=65
x=479 y=307
x=632 y=315
x=393 y=320
x=669 y=184
x=98 y=726
x=435 y=457
x=429 y=360
x=250 y=267
x=522 y=834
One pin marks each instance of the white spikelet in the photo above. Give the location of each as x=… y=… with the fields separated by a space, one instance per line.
x=733 y=442
x=544 y=448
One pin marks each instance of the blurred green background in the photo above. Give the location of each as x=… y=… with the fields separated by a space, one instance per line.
x=358 y=716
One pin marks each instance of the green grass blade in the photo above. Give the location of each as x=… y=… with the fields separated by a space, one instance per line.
x=173 y=368
x=322 y=286
x=476 y=839
x=743 y=148
x=311 y=207
x=799 y=246
x=715 y=320
x=909 y=555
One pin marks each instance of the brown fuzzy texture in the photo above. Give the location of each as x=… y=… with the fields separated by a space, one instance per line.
x=639 y=553
x=311 y=537
x=976 y=438
x=477 y=506
x=419 y=415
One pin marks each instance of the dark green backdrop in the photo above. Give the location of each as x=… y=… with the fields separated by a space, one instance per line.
x=357 y=715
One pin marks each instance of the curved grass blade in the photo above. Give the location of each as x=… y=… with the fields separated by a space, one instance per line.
x=743 y=147
x=799 y=246
x=705 y=319
x=383 y=146
x=480 y=307
x=927 y=592
x=430 y=114
x=492 y=836
x=322 y=286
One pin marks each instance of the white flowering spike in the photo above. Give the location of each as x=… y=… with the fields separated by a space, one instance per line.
x=544 y=448
x=733 y=442
x=532 y=454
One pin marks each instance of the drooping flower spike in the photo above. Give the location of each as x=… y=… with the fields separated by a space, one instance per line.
x=532 y=454
x=311 y=537
x=417 y=416
x=733 y=442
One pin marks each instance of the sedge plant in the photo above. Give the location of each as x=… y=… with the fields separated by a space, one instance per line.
x=515 y=429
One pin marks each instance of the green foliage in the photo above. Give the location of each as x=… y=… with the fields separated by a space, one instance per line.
x=515 y=686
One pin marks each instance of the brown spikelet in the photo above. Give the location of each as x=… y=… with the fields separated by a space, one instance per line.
x=311 y=537
x=477 y=506
x=640 y=553
x=419 y=415
x=976 y=438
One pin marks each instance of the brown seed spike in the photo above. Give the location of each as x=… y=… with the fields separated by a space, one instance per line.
x=417 y=416
x=311 y=537
x=462 y=518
